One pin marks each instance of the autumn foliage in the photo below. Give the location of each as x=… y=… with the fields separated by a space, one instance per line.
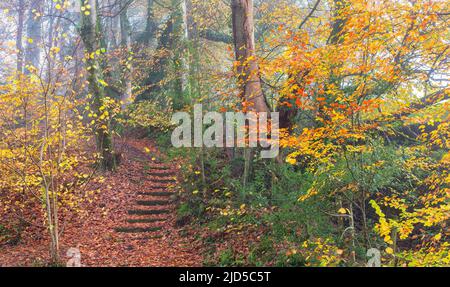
x=361 y=88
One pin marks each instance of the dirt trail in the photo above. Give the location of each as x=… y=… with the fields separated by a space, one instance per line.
x=131 y=222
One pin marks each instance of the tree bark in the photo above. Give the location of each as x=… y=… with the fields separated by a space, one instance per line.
x=19 y=36
x=185 y=55
x=34 y=35
x=90 y=35
x=151 y=25
x=125 y=32
x=338 y=24
x=244 y=44
x=215 y=36
x=248 y=70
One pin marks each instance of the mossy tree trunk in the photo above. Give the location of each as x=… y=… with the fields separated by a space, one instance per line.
x=90 y=34
x=125 y=42
x=34 y=35
x=151 y=26
x=19 y=36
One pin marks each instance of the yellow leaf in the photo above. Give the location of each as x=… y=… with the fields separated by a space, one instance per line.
x=103 y=83
x=55 y=50
x=438 y=237
x=291 y=160
x=342 y=211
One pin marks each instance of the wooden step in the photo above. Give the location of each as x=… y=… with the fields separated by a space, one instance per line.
x=159 y=186
x=146 y=220
x=159 y=167
x=163 y=180
x=152 y=202
x=161 y=173
x=138 y=229
x=148 y=212
x=157 y=193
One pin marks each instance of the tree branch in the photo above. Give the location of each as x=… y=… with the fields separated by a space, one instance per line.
x=310 y=14
x=216 y=36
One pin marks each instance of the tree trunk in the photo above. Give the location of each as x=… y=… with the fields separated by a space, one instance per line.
x=90 y=34
x=248 y=70
x=34 y=35
x=338 y=23
x=151 y=25
x=125 y=32
x=180 y=37
x=194 y=48
x=185 y=56
x=180 y=54
x=19 y=36
x=244 y=44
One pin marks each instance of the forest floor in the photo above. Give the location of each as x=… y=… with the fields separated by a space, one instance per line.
x=130 y=222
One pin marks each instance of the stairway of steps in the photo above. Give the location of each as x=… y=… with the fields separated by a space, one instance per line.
x=152 y=206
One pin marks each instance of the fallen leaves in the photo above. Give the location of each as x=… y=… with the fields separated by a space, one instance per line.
x=93 y=233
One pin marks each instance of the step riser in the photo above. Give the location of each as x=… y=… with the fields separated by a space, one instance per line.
x=157 y=176
x=152 y=203
x=146 y=220
x=145 y=238
x=148 y=212
x=160 y=186
x=160 y=171
x=137 y=230
x=156 y=193
x=171 y=181
x=159 y=167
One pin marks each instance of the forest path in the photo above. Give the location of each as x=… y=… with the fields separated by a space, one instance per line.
x=129 y=222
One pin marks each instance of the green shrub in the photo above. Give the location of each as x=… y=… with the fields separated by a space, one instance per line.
x=227 y=258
